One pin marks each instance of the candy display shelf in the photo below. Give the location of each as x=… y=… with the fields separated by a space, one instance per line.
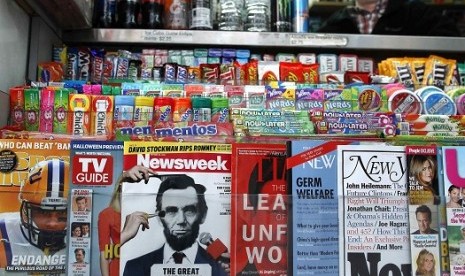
x=264 y=39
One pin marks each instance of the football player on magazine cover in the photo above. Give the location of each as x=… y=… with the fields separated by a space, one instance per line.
x=34 y=238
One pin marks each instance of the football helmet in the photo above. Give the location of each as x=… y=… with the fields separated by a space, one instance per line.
x=45 y=192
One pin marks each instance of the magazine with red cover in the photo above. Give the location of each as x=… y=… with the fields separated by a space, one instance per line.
x=176 y=214
x=259 y=210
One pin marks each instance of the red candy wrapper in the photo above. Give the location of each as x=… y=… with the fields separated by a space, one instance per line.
x=310 y=73
x=210 y=72
x=356 y=77
x=290 y=71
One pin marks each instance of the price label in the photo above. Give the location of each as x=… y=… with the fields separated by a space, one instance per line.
x=167 y=36
x=317 y=40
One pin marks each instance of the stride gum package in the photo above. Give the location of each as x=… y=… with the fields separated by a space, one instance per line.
x=79 y=107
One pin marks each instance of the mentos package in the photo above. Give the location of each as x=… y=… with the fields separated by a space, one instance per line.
x=79 y=107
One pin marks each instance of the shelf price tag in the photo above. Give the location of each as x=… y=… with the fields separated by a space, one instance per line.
x=317 y=40
x=162 y=36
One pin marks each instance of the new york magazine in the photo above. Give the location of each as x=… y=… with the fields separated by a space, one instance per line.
x=181 y=211
x=373 y=225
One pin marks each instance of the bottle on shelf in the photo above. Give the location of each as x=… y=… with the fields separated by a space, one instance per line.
x=281 y=16
x=152 y=14
x=200 y=15
x=230 y=15
x=128 y=13
x=175 y=13
x=300 y=20
x=105 y=13
x=257 y=15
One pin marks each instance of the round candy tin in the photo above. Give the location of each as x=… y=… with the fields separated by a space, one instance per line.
x=404 y=101
x=439 y=103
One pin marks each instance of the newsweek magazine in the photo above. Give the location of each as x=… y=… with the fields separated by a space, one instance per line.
x=94 y=215
x=259 y=241
x=314 y=236
x=192 y=216
x=423 y=206
x=34 y=185
x=453 y=158
x=373 y=224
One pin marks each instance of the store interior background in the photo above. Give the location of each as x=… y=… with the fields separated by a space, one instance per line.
x=27 y=39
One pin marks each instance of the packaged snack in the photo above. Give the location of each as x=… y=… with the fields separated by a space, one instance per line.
x=290 y=71
x=182 y=110
x=210 y=73
x=439 y=103
x=348 y=62
x=369 y=98
x=404 y=101
x=306 y=58
x=124 y=108
x=255 y=96
x=220 y=110
x=17 y=107
x=102 y=115
x=201 y=110
x=365 y=64
x=143 y=108
x=61 y=110
x=194 y=90
x=438 y=71
x=309 y=98
x=310 y=73
x=328 y=62
x=280 y=98
x=214 y=91
x=79 y=107
x=47 y=98
x=267 y=71
x=235 y=94
x=163 y=109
